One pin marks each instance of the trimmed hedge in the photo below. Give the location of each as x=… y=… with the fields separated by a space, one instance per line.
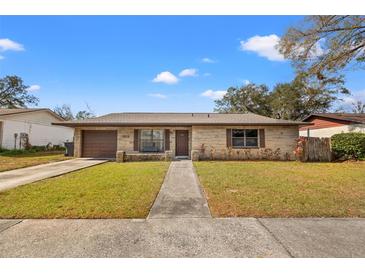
x=348 y=145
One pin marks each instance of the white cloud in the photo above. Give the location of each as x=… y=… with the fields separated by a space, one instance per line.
x=165 y=77
x=208 y=60
x=214 y=94
x=348 y=101
x=246 y=82
x=264 y=46
x=207 y=74
x=356 y=96
x=190 y=72
x=7 y=44
x=318 y=50
x=33 y=88
x=2 y=57
x=158 y=95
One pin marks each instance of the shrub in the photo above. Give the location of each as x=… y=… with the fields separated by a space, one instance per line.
x=349 y=145
x=31 y=149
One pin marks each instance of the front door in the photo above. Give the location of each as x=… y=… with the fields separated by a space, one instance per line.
x=182 y=143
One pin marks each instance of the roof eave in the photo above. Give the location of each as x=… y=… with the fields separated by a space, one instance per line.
x=68 y=124
x=35 y=110
x=343 y=119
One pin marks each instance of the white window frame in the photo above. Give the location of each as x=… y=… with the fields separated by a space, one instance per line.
x=244 y=138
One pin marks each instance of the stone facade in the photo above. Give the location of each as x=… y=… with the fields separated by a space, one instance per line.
x=125 y=143
x=210 y=143
x=205 y=143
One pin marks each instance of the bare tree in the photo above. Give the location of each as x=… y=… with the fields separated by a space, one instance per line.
x=358 y=107
x=66 y=113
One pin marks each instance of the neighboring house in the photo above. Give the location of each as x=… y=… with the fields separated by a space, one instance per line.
x=199 y=136
x=32 y=125
x=328 y=124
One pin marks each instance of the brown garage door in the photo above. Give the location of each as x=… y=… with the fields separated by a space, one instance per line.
x=99 y=143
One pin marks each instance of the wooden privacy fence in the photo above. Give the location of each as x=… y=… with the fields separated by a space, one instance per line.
x=314 y=149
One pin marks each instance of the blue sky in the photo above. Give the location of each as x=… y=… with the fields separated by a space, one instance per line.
x=145 y=63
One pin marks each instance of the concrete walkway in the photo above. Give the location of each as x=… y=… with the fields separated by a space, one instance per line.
x=181 y=195
x=23 y=176
x=184 y=237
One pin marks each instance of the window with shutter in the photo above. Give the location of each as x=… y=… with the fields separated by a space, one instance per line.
x=244 y=138
x=151 y=140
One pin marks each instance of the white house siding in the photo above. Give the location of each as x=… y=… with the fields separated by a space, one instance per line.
x=38 y=127
x=328 y=132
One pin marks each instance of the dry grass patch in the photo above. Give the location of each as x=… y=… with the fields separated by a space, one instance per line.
x=284 y=189
x=110 y=190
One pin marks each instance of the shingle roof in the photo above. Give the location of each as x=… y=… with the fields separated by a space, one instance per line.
x=14 y=111
x=349 y=117
x=133 y=118
x=9 y=111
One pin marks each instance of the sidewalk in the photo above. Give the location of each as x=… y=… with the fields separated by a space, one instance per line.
x=184 y=237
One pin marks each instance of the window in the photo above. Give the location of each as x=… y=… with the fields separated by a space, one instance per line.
x=245 y=138
x=152 y=140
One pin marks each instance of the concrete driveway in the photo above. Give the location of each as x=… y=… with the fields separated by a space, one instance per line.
x=184 y=237
x=23 y=176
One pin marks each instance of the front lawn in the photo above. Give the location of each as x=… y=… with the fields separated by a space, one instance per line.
x=9 y=161
x=284 y=189
x=111 y=190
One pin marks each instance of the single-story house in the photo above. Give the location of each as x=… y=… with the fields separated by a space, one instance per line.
x=328 y=124
x=198 y=136
x=19 y=127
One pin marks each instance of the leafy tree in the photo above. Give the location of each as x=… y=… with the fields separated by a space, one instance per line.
x=66 y=113
x=305 y=95
x=14 y=94
x=286 y=101
x=358 y=107
x=248 y=98
x=293 y=101
x=324 y=45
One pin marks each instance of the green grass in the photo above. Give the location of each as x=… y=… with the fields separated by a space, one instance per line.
x=13 y=160
x=284 y=189
x=111 y=190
